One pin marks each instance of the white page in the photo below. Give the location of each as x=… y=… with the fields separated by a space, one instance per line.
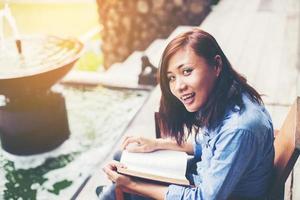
x=166 y=163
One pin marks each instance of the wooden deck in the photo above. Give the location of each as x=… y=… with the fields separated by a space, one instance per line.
x=261 y=38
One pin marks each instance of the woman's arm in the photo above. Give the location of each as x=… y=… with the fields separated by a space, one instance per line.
x=140 y=144
x=171 y=144
x=154 y=191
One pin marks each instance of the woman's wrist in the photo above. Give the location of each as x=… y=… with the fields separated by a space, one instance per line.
x=142 y=188
x=160 y=143
x=171 y=144
x=165 y=143
x=130 y=186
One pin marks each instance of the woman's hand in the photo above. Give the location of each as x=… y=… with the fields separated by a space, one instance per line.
x=127 y=184
x=139 y=144
x=111 y=171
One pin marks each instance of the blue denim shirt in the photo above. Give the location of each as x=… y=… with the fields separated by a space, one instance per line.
x=236 y=157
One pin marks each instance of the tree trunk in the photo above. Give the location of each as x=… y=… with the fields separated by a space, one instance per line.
x=130 y=25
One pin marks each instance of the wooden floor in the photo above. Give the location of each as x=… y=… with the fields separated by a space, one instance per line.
x=261 y=38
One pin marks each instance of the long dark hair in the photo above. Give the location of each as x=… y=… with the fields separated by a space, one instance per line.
x=227 y=90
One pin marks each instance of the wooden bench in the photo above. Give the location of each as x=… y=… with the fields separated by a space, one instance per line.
x=287 y=149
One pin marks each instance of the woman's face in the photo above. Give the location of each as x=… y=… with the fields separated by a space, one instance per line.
x=191 y=79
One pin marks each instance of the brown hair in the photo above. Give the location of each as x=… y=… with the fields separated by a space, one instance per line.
x=227 y=90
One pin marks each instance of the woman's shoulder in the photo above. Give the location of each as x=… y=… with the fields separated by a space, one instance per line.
x=252 y=117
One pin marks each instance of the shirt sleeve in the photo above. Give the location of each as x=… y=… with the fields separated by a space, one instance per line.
x=232 y=155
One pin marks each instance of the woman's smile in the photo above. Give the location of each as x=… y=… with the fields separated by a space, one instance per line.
x=188 y=99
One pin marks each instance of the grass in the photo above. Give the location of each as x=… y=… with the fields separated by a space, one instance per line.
x=90 y=61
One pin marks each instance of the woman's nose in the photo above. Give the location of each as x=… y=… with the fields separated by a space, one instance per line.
x=180 y=85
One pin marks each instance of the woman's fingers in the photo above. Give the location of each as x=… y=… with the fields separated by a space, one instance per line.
x=139 y=144
x=130 y=140
x=120 y=165
x=123 y=145
x=136 y=148
x=113 y=165
x=111 y=170
x=111 y=174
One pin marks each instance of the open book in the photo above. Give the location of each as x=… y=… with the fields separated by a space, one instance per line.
x=163 y=165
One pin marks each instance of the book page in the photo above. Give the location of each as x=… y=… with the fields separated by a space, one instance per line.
x=165 y=163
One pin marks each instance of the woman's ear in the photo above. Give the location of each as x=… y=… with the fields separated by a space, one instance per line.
x=218 y=65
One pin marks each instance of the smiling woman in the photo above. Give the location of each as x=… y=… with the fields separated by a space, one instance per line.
x=203 y=94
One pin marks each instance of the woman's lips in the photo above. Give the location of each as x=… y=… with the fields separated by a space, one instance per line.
x=188 y=98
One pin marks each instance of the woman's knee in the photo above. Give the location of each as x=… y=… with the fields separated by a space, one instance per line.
x=108 y=193
x=117 y=155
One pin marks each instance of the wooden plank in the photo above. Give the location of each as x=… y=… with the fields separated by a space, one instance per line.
x=296 y=182
x=264 y=55
x=288 y=187
x=220 y=23
x=287 y=78
x=287 y=149
x=250 y=56
x=269 y=62
x=294 y=35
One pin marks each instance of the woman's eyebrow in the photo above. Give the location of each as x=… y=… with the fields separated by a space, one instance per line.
x=178 y=67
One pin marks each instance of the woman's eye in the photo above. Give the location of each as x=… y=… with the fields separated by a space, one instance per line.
x=187 y=71
x=171 y=78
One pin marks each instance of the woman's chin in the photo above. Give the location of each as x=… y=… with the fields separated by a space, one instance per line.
x=191 y=108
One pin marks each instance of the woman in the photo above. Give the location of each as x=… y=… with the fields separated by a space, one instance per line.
x=233 y=145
